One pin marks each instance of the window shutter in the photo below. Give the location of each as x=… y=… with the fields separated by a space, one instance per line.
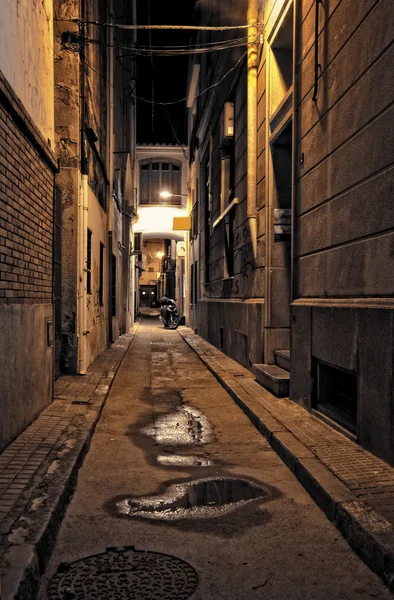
x=144 y=187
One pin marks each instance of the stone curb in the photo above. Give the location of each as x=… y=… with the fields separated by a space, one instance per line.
x=367 y=532
x=26 y=562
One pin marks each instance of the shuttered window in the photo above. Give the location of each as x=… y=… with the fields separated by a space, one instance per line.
x=160 y=176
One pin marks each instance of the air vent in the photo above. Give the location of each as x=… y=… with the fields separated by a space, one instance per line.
x=335 y=394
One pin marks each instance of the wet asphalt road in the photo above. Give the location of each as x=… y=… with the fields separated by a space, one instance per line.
x=160 y=474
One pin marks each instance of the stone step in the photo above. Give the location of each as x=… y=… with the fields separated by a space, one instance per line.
x=282 y=359
x=272 y=377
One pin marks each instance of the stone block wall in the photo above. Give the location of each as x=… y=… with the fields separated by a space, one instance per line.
x=343 y=308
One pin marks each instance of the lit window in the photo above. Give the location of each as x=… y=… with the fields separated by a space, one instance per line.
x=158 y=176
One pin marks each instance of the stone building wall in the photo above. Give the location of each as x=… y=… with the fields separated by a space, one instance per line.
x=342 y=313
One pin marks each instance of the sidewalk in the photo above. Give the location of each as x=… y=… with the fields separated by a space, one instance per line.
x=352 y=486
x=38 y=470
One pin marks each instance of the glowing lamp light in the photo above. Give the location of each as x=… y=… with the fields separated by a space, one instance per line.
x=165 y=194
x=160 y=254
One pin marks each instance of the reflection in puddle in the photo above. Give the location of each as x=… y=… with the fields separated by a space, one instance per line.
x=176 y=460
x=202 y=498
x=186 y=426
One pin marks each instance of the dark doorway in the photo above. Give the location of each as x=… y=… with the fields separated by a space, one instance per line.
x=148 y=296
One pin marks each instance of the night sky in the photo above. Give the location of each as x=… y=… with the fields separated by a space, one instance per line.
x=169 y=74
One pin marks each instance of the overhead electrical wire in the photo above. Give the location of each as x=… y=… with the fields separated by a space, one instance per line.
x=181 y=50
x=172 y=27
x=200 y=93
x=181 y=99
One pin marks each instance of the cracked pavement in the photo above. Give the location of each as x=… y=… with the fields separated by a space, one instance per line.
x=168 y=422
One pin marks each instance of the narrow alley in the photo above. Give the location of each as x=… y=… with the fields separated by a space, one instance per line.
x=178 y=472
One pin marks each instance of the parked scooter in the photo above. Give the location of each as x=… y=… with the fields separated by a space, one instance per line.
x=169 y=313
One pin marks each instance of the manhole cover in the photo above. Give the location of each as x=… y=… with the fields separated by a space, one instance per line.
x=124 y=574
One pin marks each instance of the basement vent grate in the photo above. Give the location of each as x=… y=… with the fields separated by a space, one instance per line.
x=335 y=393
x=125 y=574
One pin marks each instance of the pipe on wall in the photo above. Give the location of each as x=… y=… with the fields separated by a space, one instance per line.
x=252 y=124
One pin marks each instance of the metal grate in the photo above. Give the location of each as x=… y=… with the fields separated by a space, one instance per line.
x=125 y=574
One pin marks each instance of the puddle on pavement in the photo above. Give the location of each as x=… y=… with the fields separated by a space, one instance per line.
x=204 y=498
x=186 y=426
x=177 y=460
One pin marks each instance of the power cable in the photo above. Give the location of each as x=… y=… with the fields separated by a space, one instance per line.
x=175 y=134
x=200 y=93
x=153 y=70
x=172 y=27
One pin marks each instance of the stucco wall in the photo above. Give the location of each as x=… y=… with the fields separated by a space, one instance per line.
x=97 y=315
x=26 y=57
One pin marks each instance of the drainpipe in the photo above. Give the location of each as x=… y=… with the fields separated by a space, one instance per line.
x=252 y=124
x=111 y=245
x=82 y=259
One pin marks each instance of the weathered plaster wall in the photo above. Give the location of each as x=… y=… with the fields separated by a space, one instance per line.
x=230 y=310
x=26 y=363
x=67 y=145
x=26 y=57
x=97 y=315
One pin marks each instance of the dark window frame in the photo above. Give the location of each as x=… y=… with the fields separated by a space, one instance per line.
x=101 y=275
x=113 y=285
x=89 y=263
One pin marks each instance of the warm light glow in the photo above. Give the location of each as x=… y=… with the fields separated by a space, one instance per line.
x=160 y=254
x=165 y=194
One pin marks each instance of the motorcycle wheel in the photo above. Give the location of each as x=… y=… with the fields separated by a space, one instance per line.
x=173 y=322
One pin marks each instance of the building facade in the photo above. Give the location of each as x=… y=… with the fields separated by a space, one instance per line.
x=160 y=252
x=293 y=260
x=95 y=119
x=27 y=171
x=67 y=155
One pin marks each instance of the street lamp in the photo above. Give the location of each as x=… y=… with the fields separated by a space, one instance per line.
x=166 y=194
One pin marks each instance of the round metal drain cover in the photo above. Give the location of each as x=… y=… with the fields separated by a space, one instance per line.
x=124 y=574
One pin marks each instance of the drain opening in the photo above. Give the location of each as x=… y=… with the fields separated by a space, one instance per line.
x=196 y=498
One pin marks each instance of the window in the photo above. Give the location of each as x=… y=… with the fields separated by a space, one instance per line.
x=113 y=286
x=194 y=231
x=206 y=203
x=192 y=284
x=195 y=212
x=101 y=275
x=195 y=282
x=160 y=176
x=89 y=263
x=229 y=244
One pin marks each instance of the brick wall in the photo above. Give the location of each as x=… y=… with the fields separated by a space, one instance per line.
x=27 y=167
x=26 y=218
